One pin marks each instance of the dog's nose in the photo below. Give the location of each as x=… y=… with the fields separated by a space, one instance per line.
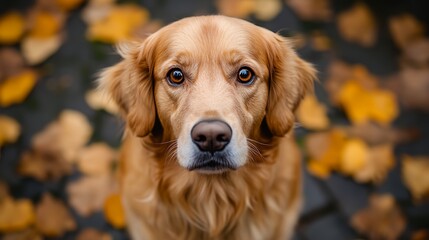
x=211 y=135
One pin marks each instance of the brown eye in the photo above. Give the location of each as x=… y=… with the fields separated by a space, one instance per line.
x=245 y=76
x=175 y=76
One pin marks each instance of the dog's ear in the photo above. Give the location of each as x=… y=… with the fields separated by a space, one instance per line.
x=129 y=84
x=290 y=79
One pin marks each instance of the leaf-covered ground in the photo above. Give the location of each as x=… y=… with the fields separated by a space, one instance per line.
x=364 y=131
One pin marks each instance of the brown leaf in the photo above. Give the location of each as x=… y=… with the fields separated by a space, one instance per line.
x=416 y=53
x=36 y=50
x=53 y=218
x=338 y=72
x=96 y=159
x=382 y=219
x=311 y=10
x=87 y=195
x=405 y=29
x=9 y=130
x=413 y=88
x=98 y=100
x=235 y=8
x=93 y=234
x=420 y=235
x=375 y=134
x=320 y=41
x=15 y=215
x=267 y=10
x=11 y=63
x=68 y=5
x=415 y=175
x=358 y=25
x=27 y=234
x=114 y=211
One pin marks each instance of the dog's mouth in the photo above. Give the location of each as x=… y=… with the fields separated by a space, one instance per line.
x=211 y=164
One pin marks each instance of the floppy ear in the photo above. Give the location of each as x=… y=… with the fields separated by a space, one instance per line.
x=290 y=79
x=130 y=85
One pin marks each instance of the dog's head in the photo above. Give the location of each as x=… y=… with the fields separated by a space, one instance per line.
x=211 y=83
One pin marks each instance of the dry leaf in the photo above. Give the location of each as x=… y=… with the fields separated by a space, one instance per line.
x=27 y=234
x=354 y=156
x=97 y=10
x=43 y=165
x=98 y=100
x=267 y=10
x=114 y=211
x=416 y=54
x=11 y=63
x=12 y=27
x=15 y=215
x=68 y=5
x=53 y=218
x=119 y=25
x=311 y=10
x=380 y=160
x=93 y=234
x=96 y=159
x=16 y=88
x=339 y=72
x=312 y=114
x=9 y=130
x=375 y=134
x=87 y=195
x=358 y=25
x=405 y=29
x=37 y=50
x=382 y=219
x=235 y=8
x=415 y=175
x=362 y=105
x=324 y=152
x=45 y=24
x=320 y=41
x=413 y=88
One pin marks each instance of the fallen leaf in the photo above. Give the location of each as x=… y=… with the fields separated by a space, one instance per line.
x=311 y=10
x=93 y=234
x=119 y=24
x=338 y=72
x=12 y=27
x=267 y=10
x=53 y=218
x=413 y=88
x=97 y=10
x=114 y=211
x=16 y=88
x=354 y=156
x=87 y=195
x=382 y=219
x=96 y=159
x=415 y=176
x=358 y=25
x=324 y=151
x=11 y=63
x=27 y=234
x=235 y=8
x=312 y=114
x=376 y=134
x=37 y=50
x=362 y=105
x=9 y=130
x=68 y=5
x=15 y=215
x=45 y=24
x=405 y=29
x=97 y=100
x=416 y=53
x=320 y=41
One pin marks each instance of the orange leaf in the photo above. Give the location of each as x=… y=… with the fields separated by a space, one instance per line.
x=114 y=211
x=12 y=28
x=353 y=156
x=45 y=24
x=312 y=114
x=16 y=88
x=92 y=234
x=235 y=8
x=405 y=29
x=68 y=5
x=311 y=10
x=9 y=130
x=15 y=215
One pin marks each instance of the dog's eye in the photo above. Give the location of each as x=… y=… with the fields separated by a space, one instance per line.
x=175 y=76
x=245 y=75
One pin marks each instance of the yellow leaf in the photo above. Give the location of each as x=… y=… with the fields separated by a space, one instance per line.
x=9 y=130
x=383 y=107
x=415 y=174
x=15 y=215
x=37 y=50
x=16 y=88
x=114 y=211
x=119 y=24
x=45 y=25
x=380 y=160
x=67 y=5
x=353 y=156
x=318 y=169
x=312 y=114
x=12 y=27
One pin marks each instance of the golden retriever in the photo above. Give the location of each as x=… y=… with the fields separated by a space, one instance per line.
x=207 y=152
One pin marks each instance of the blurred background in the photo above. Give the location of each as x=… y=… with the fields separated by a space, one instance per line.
x=364 y=134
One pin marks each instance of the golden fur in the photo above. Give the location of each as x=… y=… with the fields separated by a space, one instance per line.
x=162 y=198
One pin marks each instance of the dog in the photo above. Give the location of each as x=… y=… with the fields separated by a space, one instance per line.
x=208 y=151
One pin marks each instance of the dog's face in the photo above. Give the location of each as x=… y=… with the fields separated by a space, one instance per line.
x=214 y=84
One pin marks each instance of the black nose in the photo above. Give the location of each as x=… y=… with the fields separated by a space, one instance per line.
x=211 y=135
